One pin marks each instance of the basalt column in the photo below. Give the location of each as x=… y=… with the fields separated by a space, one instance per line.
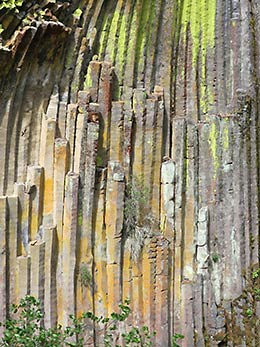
x=129 y=166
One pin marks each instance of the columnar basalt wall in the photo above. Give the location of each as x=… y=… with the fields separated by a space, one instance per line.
x=96 y=94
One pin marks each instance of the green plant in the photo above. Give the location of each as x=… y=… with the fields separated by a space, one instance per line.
x=11 y=4
x=138 y=219
x=249 y=312
x=85 y=275
x=108 y=327
x=215 y=257
x=24 y=328
x=255 y=274
x=257 y=293
x=138 y=337
x=175 y=338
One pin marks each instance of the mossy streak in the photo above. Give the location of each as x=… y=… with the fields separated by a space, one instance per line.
x=112 y=43
x=225 y=136
x=88 y=80
x=121 y=45
x=213 y=142
x=199 y=17
x=143 y=34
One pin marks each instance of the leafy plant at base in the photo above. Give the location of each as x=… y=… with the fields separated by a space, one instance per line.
x=175 y=338
x=138 y=337
x=25 y=329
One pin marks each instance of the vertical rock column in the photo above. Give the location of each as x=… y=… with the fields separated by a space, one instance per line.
x=60 y=171
x=168 y=198
x=23 y=276
x=208 y=191
x=178 y=155
x=52 y=251
x=24 y=199
x=71 y=131
x=127 y=136
x=167 y=225
x=115 y=192
x=35 y=180
x=80 y=136
x=104 y=100
x=61 y=158
x=3 y=259
x=85 y=291
x=47 y=161
x=158 y=149
x=114 y=226
x=70 y=222
x=117 y=134
x=48 y=134
x=202 y=259
x=62 y=115
x=149 y=276
x=139 y=100
x=161 y=292
x=37 y=254
x=92 y=80
x=127 y=272
x=190 y=178
x=23 y=127
x=231 y=251
x=100 y=256
x=13 y=215
x=137 y=290
x=188 y=233
x=152 y=155
x=149 y=146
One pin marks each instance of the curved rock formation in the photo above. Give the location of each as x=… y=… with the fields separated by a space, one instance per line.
x=98 y=94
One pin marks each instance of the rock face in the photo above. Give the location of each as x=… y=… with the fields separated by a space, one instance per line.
x=161 y=91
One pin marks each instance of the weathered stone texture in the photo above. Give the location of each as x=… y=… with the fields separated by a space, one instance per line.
x=165 y=92
x=3 y=257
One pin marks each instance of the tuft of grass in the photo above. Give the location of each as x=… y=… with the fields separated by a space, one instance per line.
x=139 y=223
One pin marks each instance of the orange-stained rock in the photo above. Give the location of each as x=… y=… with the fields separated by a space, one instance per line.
x=160 y=92
x=35 y=179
